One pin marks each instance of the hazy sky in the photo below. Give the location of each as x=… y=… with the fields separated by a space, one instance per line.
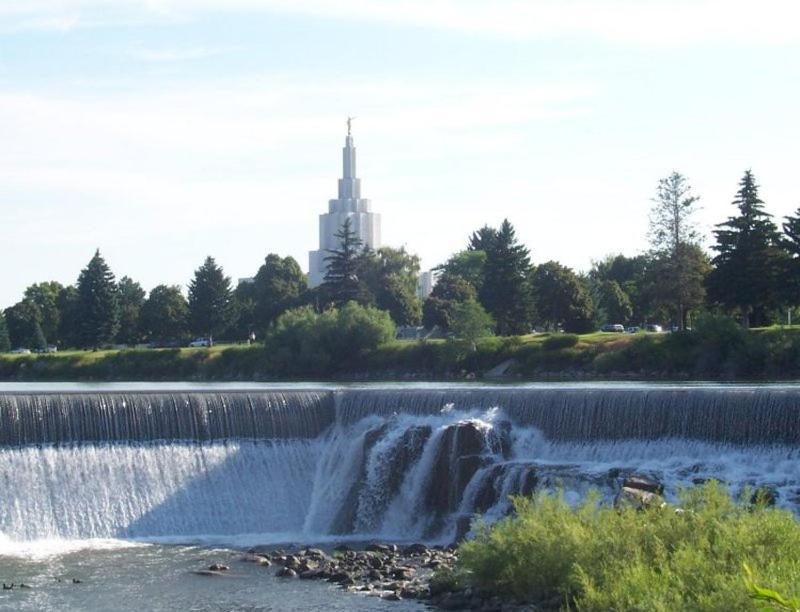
x=162 y=131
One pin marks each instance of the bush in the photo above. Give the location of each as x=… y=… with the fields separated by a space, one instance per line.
x=559 y=341
x=597 y=557
x=304 y=342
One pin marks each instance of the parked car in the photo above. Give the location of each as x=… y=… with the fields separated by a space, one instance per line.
x=21 y=351
x=652 y=327
x=197 y=342
x=613 y=327
x=634 y=329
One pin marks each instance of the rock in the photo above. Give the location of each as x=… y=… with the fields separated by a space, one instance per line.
x=463 y=526
x=414 y=550
x=255 y=558
x=403 y=573
x=391 y=596
x=454 y=601
x=286 y=572
x=342 y=578
x=380 y=548
x=643 y=483
x=637 y=498
x=205 y=572
x=218 y=567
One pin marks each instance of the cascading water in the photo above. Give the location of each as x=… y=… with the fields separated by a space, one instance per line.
x=394 y=464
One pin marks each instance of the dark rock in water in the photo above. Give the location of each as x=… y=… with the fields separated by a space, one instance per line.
x=380 y=548
x=205 y=572
x=415 y=549
x=255 y=558
x=218 y=567
x=76 y=581
x=342 y=578
x=286 y=572
x=643 y=483
x=342 y=548
x=405 y=453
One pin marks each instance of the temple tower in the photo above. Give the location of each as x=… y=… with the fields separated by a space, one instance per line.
x=348 y=205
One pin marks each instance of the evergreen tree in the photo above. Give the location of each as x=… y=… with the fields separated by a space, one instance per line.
x=791 y=272
x=98 y=304
x=5 y=341
x=131 y=299
x=747 y=265
x=505 y=292
x=562 y=299
x=209 y=300
x=674 y=242
x=342 y=283
x=164 y=316
x=482 y=239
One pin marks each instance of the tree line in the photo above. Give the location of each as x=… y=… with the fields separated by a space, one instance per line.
x=491 y=285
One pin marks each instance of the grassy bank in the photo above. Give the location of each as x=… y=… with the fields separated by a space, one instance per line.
x=597 y=557
x=717 y=350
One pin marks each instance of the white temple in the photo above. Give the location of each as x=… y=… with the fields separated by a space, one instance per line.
x=349 y=205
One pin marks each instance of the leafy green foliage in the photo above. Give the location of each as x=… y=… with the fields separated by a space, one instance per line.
x=390 y=276
x=131 y=299
x=304 y=342
x=596 y=557
x=562 y=298
x=446 y=295
x=209 y=300
x=560 y=341
x=165 y=314
x=469 y=265
x=98 y=304
x=471 y=321
x=278 y=285
x=775 y=600
x=614 y=302
x=24 y=321
x=45 y=296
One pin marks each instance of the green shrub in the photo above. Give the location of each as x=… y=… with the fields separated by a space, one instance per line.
x=596 y=557
x=559 y=341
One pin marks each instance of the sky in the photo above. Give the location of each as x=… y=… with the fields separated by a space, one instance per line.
x=163 y=131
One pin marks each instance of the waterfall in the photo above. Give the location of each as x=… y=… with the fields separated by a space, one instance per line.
x=402 y=464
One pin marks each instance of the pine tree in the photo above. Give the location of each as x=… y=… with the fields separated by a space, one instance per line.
x=209 y=300
x=505 y=292
x=5 y=341
x=98 y=304
x=747 y=265
x=791 y=272
x=342 y=283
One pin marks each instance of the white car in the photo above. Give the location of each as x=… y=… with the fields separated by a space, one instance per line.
x=198 y=342
x=21 y=351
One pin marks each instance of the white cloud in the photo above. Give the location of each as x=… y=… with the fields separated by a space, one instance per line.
x=174 y=54
x=652 y=22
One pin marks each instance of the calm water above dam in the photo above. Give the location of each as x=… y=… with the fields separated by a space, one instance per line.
x=169 y=470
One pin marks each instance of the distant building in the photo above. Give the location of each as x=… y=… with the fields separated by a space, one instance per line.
x=425 y=283
x=349 y=205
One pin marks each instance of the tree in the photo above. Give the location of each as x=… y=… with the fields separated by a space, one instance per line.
x=98 y=304
x=243 y=311
x=614 y=302
x=471 y=322
x=635 y=277
x=131 y=299
x=482 y=239
x=505 y=292
x=674 y=242
x=209 y=300
x=390 y=276
x=791 y=272
x=45 y=296
x=69 y=317
x=747 y=264
x=5 y=341
x=469 y=265
x=279 y=285
x=24 y=325
x=448 y=292
x=164 y=315
x=562 y=299
x=342 y=283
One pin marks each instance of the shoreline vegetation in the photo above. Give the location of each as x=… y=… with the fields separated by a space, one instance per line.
x=707 y=551
x=717 y=349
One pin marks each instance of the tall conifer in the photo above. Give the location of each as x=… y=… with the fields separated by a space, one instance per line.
x=98 y=304
x=747 y=265
x=209 y=300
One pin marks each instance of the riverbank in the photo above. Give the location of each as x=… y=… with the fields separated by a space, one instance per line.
x=720 y=351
